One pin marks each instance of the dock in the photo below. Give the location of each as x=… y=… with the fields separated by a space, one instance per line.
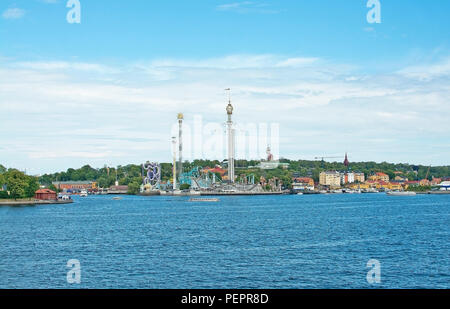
x=33 y=202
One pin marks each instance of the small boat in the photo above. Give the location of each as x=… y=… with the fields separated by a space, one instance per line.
x=207 y=200
x=300 y=193
x=117 y=198
x=83 y=193
x=401 y=193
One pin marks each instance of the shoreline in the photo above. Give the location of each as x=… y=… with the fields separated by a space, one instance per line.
x=32 y=202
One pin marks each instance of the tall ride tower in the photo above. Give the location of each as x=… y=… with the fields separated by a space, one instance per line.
x=180 y=143
x=174 y=170
x=230 y=139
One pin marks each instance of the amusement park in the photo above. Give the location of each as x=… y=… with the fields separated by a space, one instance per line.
x=220 y=179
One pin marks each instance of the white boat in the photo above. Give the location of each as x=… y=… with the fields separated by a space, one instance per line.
x=117 y=198
x=300 y=193
x=83 y=193
x=401 y=193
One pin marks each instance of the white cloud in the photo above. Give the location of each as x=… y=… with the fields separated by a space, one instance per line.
x=13 y=13
x=247 y=7
x=428 y=72
x=117 y=114
x=64 y=65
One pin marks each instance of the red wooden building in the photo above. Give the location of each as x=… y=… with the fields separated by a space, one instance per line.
x=45 y=194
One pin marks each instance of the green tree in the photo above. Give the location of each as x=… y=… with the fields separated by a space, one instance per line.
x=103 y=182
x=53 y=188
x=134 y=188
x=185 y=186
x=32 y=186
x=2 y=180
x=17 y=183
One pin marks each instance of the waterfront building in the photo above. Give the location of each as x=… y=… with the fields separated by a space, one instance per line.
x=380 y=176
x=436 y=181
x=75 y=185
x=360 y=186
x=330 y=178
x=396 y=186
x=411 y=183
x=303 y=184
x=45 y=195
x=360 y=177
x=118 y=189
x=347 y=178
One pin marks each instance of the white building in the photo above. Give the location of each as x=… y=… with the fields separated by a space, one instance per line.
x=347 y=178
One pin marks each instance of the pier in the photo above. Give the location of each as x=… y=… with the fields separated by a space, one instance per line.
x=33 y=202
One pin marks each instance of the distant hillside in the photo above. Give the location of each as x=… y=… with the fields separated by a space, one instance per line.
x=132 y=173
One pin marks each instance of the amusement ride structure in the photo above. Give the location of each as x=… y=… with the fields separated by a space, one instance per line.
x=204 y=181
x=152 y=178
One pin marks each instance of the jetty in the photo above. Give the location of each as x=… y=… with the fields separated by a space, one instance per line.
x=32 y=202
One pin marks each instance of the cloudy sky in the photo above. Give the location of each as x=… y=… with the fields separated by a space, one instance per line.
x=107 y=90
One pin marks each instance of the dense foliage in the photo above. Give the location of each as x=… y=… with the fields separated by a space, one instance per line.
x=17 y=183
x=132 y=174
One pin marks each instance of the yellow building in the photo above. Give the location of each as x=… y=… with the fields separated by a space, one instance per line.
x=360 y=186
x=395 y=186
x=360 y=177
x=331 y=179
x=379 y=177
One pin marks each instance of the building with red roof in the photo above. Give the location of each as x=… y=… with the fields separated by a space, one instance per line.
x=45 y=195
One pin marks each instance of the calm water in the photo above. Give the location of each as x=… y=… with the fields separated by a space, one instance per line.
x=319 y=241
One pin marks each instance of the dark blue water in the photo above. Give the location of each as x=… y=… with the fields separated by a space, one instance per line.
x=319 y=241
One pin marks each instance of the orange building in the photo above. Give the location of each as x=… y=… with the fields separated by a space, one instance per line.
x=75 y=185
x=436 y=181
x=303 y=183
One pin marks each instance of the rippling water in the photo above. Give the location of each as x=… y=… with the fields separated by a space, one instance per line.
x=316 y=241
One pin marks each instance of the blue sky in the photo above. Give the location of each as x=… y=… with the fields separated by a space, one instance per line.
x=106 y=91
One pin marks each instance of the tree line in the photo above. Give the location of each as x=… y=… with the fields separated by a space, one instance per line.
x=131 y=174
x=17 y=184
x=106 y=176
